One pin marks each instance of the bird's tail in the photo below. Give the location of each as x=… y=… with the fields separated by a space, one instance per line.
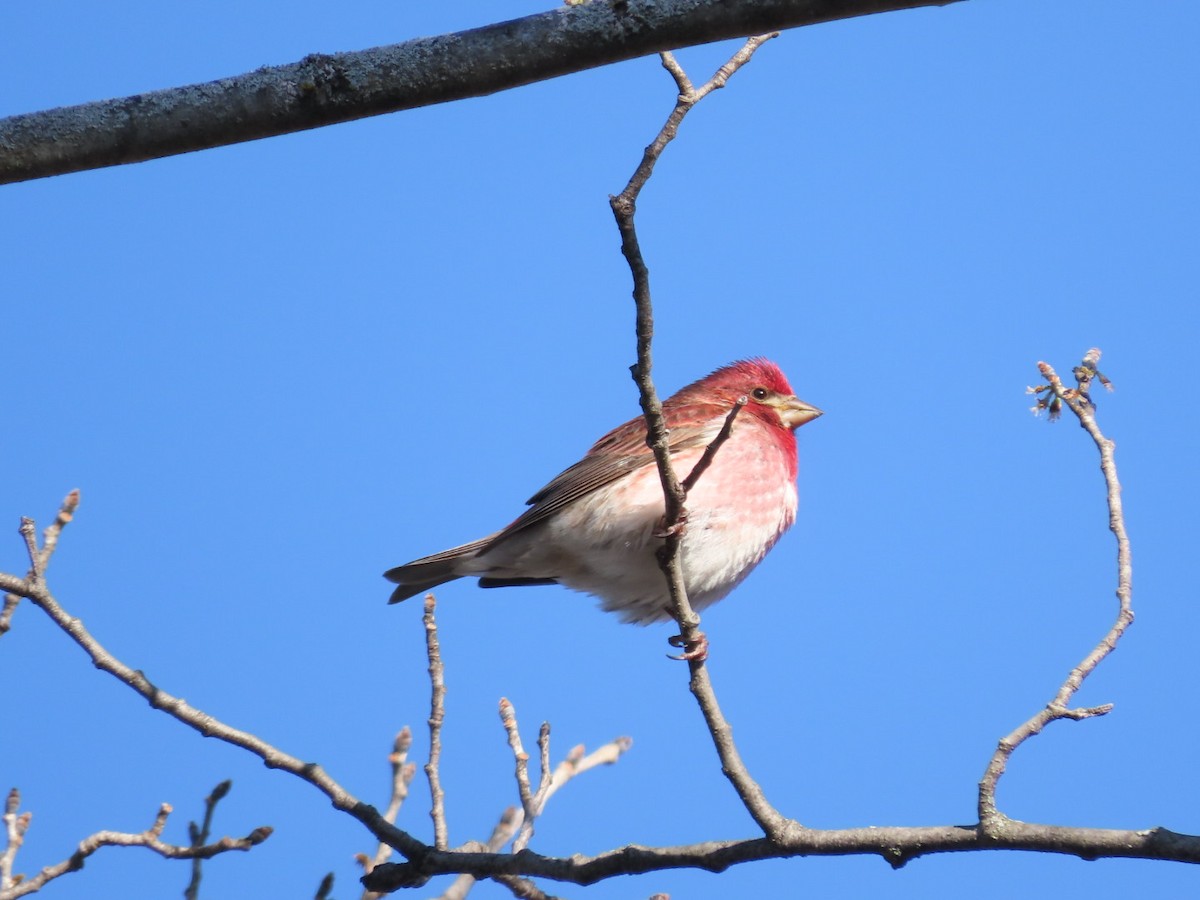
x=427 y=573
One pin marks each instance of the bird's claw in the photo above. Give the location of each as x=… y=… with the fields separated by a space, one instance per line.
x=663 y=530
x=694 y=650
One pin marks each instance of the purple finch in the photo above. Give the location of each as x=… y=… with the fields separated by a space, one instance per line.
x=595 y=527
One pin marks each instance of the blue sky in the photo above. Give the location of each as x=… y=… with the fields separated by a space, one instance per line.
x=276 y=369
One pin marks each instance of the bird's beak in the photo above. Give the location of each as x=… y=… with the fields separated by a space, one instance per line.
x=794 y=412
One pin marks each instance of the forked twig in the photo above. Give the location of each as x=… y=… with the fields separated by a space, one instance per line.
x=1054 y=396
x=403 y=773
x=39 y=559
x=508 y=717
x=16 y=823
x=198 y=834
x=539 y=798
x=12 y=887
x=575 y=763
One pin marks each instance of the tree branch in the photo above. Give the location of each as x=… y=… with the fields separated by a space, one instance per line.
x=199 y=836
x=16 y=823
x=324 y=89
x=39 y=559
x=624 y=207
x=403 y=773
x=437 y=715
x=895 y=845
x=505 y=828
x=1077 y=400
x=12 y=887
x=209 y=726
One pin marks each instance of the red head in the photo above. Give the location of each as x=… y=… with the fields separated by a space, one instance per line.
x=768 y=395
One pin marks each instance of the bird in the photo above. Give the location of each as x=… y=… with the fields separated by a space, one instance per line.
x=596 y=526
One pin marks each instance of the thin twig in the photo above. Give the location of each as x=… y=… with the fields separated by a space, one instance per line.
x=39 y=559
x=437 y=715
x=28 y=533
x=624 y=207
x=688 y=97
x=539 y=799
x=710 y=452
x=199 y=835
x=16 y=824
x=403 y=773
x=521 y=821
x=508 y=717
x=1077 y=400
x=578 y=761
x=544 y=758
x=150 y=838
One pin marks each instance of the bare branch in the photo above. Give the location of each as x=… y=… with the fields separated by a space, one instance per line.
x=150 y=838
x=437 y=715
x=39 y=559
x=1055 y=394
x=624 y=207
x=324 y=89
x=403 y=773
x=895 y=845
x=209 y=726
x=710 y=451
x=538 y=801
x=514 y=819
x=11 y=601
x=29 y=533
x=508 y=717
x=199 y=835
x=16 y=824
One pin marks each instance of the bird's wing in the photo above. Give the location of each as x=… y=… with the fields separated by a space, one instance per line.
x=621 y=451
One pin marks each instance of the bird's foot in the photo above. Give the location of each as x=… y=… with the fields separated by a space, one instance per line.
x=695 y=649
x=663 y=530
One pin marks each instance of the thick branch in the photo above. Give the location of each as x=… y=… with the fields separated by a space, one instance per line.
x=324 y=89
x=896 y=845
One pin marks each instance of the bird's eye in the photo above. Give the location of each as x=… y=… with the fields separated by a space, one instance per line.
x=759 y=393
